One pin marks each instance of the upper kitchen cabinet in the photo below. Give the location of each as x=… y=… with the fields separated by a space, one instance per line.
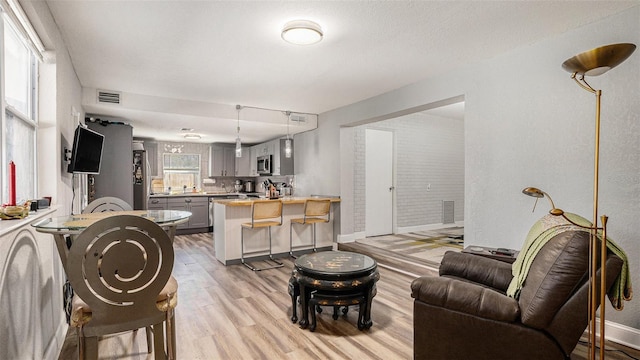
x=281 y=165
x=253 y=161
x=243 y=164
x=222 y=160
x=266 y=148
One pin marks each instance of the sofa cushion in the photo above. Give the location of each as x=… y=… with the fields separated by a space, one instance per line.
x=465 y=297
x=558 y=270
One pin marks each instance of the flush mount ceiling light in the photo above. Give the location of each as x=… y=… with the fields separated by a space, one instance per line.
x=192 y=136
x=302 y=32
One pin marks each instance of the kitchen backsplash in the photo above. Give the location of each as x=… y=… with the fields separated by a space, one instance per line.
x=226 y=184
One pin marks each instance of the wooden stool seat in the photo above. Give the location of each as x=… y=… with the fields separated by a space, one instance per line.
x=264 y=214
x=315 y=211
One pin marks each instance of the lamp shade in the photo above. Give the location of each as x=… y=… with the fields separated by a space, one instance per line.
x=535 y=192
x=599 y=60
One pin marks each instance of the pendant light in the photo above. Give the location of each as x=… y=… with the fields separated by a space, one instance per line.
x=238 y=142
x=287 y=143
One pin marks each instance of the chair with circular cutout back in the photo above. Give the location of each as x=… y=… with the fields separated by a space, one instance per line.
x=120 y=269
x=107 y=203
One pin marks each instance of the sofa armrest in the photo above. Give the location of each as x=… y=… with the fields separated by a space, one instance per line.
x=479 y=269
x=465 y=297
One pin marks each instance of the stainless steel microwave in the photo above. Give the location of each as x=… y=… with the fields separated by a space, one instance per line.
x=264 y=164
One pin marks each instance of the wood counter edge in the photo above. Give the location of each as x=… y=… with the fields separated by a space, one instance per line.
x=285 y=201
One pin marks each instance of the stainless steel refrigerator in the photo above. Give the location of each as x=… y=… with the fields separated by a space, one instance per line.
x=140 y=184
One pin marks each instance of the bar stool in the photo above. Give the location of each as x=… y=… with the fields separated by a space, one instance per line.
x=263 y=214
x=315 y=211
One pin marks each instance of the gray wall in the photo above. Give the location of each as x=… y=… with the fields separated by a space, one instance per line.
x=116 y=173
x=526 y=124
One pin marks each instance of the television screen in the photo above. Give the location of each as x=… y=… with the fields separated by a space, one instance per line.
x=86 y=154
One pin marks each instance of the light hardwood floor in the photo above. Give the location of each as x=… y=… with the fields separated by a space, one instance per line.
x=233 y=313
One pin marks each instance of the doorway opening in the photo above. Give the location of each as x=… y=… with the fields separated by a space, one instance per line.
x=427 y=183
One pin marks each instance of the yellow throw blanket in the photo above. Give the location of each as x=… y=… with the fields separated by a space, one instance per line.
x=544 y=230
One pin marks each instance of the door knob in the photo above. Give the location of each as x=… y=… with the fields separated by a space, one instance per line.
x=392 y=188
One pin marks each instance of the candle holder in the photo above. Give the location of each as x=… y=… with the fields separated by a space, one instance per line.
x=8 y=212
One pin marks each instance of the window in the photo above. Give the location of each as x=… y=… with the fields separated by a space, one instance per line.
x=181 y=170
x=19 y=120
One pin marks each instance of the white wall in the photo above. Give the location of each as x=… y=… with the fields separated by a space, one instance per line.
x=526 y=124
x=428 y=150
x=60 y=92
x=31 y=275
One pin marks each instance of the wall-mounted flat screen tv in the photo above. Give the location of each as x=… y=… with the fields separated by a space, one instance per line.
x=86 y=154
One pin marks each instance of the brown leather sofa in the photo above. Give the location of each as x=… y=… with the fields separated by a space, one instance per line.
x=465 y=314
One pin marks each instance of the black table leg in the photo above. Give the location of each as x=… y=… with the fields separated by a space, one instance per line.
x=304 y=300
x=294 y=291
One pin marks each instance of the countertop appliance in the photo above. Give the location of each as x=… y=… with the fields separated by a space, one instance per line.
x=264 y=165
x=248 y=186
x=238 y=186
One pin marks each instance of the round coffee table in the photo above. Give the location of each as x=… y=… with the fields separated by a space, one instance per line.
x=333 y=278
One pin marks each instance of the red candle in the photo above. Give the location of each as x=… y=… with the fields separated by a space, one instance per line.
x=12 y=184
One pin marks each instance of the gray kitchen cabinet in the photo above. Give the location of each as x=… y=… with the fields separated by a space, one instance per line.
x=243 y=164
x=222 y=160
x=253 y=161
x=157 y=204
x=281 y=165
x=285 y=164
x=264 y=148
x=199 y=208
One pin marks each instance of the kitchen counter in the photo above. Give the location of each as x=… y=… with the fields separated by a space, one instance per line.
x=285 y=201
x=229 y=214
x=201 y=194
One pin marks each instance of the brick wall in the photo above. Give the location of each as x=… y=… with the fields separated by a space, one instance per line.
x=429 y=150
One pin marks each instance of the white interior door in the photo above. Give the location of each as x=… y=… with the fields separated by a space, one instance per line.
x=379 y=182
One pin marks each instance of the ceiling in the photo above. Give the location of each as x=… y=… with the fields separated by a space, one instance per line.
x=187 y=64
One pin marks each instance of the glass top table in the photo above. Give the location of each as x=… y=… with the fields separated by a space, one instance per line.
x=71 y=224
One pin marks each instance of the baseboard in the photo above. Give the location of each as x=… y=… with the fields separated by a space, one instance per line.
x=426 y=227
x=620 y=334
x=343 y=239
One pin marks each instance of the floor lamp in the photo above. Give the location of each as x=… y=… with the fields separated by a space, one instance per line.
x=593 y=63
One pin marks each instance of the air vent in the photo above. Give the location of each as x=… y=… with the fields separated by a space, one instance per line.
x=447 y=212
x=298 y=118
x=108 y=97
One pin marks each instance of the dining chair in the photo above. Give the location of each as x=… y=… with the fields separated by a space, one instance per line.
x=315 y=211
x=120 y=269
x=107 y=203
x=264 y=213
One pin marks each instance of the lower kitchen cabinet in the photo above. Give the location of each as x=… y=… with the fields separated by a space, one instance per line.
x=157 y=204
x=199 y=208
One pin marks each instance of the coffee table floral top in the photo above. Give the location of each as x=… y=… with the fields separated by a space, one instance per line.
x=335 y=263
